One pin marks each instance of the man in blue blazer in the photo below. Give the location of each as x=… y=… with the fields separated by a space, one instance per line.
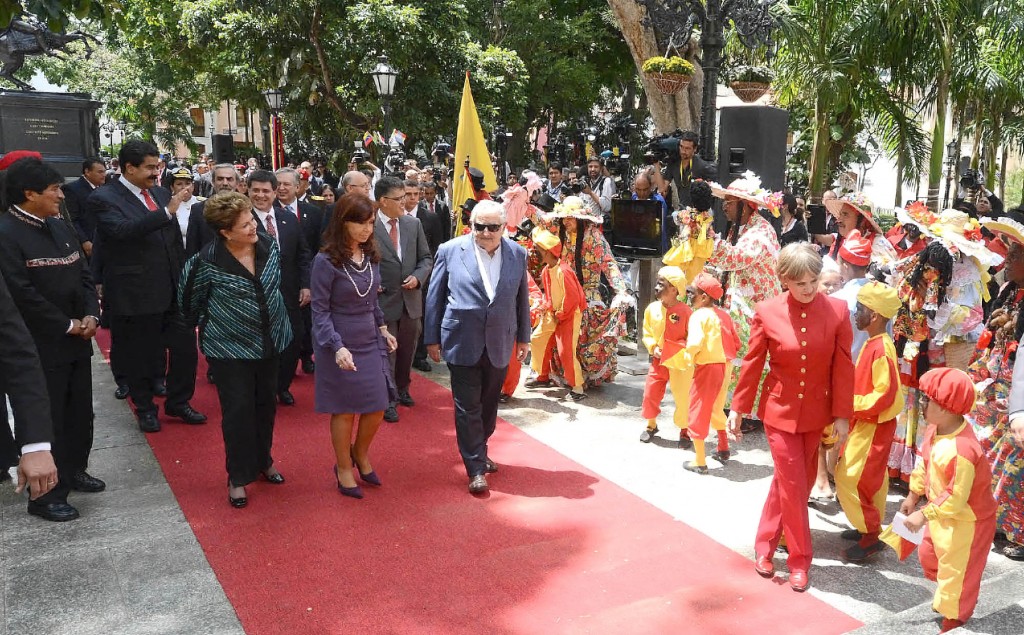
x=478 y=311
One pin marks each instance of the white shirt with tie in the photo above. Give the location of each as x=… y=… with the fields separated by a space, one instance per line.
x=263 y=219
x=137 y=191
x=384 y=218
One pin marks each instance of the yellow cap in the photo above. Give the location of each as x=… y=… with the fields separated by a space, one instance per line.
x=880 y=298
x=547 y=240
x=676 y=276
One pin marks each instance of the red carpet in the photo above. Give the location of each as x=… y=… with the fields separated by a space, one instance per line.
x=554 y=549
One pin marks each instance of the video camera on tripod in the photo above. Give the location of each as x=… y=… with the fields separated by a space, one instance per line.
x=394 y=162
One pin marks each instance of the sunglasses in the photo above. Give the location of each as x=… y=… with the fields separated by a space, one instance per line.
x=481 y=227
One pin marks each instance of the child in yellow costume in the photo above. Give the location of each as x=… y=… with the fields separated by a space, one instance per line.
x=559 y=328
x=705 y=352
x=862 y=476
x=664 y=334
x=956 y=478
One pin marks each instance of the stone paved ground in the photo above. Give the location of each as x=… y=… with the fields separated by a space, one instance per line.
x=132 y=565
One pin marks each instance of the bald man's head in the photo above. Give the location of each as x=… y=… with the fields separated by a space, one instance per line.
x=355 y=181
x=642 y=186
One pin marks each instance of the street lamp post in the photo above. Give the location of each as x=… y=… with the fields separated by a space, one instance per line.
x=384 y=77
x=952 y=156
x=675 y=20
x=275 y=99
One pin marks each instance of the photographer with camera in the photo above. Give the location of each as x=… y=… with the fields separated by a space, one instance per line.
x=597 y=190
x=682 y=170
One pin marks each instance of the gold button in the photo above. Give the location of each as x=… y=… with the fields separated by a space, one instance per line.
x=803 y=370
x=804 y=343
x=804 y=357
x=803 y=315
x=800 y=396
x=801 y=383
x=803 y=329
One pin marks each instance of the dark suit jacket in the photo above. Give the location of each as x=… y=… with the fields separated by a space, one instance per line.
x=141 y=250
x=21 y=376
x=699 y=169
x=76 y=194
x=45 y=269
x=432 y=227
x=416 y=261
x=295 y=257
x=198 y=233
x=444 y=215
x=311 y=219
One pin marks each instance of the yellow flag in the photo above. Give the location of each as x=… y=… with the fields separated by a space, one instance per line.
x=469 y=142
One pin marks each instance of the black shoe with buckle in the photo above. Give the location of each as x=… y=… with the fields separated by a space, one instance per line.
x=83 y=482
x=648 y=434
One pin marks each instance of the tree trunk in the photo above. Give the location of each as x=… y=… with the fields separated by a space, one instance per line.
x=992 y=151
x=1002 y=171
x=938 y=141
x=819 y=154
x=668 y=111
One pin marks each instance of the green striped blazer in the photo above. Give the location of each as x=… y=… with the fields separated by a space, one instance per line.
x=240 y=316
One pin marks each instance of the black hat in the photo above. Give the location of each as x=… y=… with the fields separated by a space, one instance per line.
x=546 y=202
x=476 y=177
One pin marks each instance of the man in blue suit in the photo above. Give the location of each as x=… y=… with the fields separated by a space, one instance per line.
x=478 y=310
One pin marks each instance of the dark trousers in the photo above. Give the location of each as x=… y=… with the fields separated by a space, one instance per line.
x=289 y=356
x=139 y=342
x=306 y=352
x=248 y=404
x=182 y=359
x=421 y=348
x=407 y=331
x=70 y=390
x=475 y=391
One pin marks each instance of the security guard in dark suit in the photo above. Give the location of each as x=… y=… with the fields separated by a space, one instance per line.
x=43 y=265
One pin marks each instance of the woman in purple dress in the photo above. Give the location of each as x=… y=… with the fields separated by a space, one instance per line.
x=348 y=327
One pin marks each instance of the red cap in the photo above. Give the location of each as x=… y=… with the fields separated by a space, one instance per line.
x=856 y=249
x=951 y=388
x=709 y=285
x=14 y=155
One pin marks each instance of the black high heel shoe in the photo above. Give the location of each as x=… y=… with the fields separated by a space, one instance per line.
x=354 y=492
x=275 y=479
x=370 y=477
x=237 y=503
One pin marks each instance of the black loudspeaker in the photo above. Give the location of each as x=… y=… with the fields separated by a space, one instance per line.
x=223 y=148
x=752 y=138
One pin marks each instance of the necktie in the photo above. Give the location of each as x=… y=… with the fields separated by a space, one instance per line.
x=393 y=232
x=292 y=210
x=270 y=227
x=150 y=203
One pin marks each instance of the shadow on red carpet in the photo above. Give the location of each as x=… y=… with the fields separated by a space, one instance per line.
x=552 y=549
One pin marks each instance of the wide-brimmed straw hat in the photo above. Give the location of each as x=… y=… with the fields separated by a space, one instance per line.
x=859 y=203
x=1005 y=226
x=573 y=207
x=747 y=188
x=954 y=229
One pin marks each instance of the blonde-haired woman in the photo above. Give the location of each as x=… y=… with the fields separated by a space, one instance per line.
x=805 y=337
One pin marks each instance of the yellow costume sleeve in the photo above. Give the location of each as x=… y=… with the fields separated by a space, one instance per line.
x=917 y=479
x=654 y=326
x=881 y=388
x=953 y=499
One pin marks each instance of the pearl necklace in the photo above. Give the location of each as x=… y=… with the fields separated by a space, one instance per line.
x=366 y=263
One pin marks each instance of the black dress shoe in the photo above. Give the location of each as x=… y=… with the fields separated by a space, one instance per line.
x=54 y=512
x=648 y=434
x=148 y=422
x=308 y=366
x=83 y=482
x=504 y=397
x=121 y=392
x=286 y=398
x=186 y=414
x=422 y=365
x=490 y=466
x=391 y=415
x=478 y=484
x=160 y=388
x=404 y=399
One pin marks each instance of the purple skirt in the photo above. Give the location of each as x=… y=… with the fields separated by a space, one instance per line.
x=370 y=387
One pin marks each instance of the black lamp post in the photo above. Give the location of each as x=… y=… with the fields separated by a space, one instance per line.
x=275 y=99
x=675 y=20
x=952 y=156
x=384 y=77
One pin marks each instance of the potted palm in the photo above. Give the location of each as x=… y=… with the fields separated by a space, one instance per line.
x=669 y=74
x=750 y=83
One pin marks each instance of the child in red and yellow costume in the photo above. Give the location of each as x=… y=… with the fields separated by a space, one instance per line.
x=664 y=334
x=862 y=476
x=559 y=327
x=705 y=351
x=515 y=367
x=956 y=478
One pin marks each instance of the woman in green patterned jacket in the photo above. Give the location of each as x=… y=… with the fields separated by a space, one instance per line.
x=231 y=290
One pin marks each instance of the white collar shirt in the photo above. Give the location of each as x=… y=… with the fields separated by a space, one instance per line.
x=138 y=193
x=384 y=218
x=263 y=219
x=490 y=268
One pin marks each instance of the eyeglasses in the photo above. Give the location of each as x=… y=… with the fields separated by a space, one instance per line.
x=394 y=198
x=481 y=227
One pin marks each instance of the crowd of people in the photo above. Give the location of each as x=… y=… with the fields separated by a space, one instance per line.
x=865 y=355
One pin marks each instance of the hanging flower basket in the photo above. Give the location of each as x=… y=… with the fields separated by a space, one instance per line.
x=749 y=92
x=669 y=83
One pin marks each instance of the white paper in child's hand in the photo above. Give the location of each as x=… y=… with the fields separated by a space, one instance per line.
x=899 y=527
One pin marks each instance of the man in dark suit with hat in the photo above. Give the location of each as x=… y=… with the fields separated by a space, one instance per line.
x=142 y=259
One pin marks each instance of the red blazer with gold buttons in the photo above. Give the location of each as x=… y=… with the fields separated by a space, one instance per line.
x=810 y=376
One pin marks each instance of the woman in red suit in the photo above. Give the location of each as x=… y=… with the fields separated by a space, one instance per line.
x=805 y=337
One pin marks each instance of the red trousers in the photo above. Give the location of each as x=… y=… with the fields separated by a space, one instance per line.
x=515 y=369
x=654 y=391
x=862 y=476
x=707 y=384
x=795 y=455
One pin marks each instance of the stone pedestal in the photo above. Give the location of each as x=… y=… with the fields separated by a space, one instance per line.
x=61 y=126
